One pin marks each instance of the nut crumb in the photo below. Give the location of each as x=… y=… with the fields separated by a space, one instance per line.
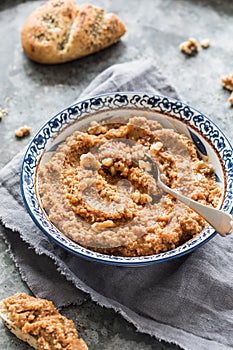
x=22 y=131
x=227 y=83
x=107 y=162
x=231 y=99
x=3 y=112
x=144 y=165
x=103 y=225
x=189 y=47
x=205 y=43
x=89 y=161
x=7 y=99
x=96 y=128
x=156 y=147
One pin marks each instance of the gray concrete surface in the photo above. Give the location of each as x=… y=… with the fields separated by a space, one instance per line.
x=32 y=93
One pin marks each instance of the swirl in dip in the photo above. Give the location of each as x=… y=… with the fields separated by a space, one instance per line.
x=98 y=187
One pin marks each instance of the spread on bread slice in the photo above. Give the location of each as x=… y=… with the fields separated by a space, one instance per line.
x=60 y=30
x=37 y=322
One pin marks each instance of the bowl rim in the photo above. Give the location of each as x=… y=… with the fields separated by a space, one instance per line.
x=78 y=250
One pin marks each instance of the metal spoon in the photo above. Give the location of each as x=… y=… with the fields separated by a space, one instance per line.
x=222 y=222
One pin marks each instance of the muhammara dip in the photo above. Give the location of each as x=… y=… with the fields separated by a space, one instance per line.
x=98 y=188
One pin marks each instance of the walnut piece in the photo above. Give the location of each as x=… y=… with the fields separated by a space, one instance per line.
x=107 y=162
x=156 y=147
x=205 y=43
x=96 y=128
x=231 y=99
x=102 y=225
x=3 y=112
x=227 y=83
x=22 y=131
x=88 y=160
x=189 y=47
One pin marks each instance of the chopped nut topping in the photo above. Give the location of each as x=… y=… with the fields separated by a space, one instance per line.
x=144 y=165
x=136 y=196
x=107 y=162
x=145 y=198
x=103 y=225
x=141 y=198
x=113 y=170
x=155 y=147
x=87 y=160
x=39 y=319
x=22 y=131
x=96 y=128
x=189 y=47
x=205 y=43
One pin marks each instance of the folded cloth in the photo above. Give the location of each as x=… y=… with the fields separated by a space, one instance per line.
x=187 y=301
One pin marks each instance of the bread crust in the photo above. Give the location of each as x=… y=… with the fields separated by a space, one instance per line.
x=59 y=31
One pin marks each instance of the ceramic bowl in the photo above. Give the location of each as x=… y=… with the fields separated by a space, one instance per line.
x=208 y=138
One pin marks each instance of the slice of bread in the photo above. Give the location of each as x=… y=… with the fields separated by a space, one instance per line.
x=37 y=322
x=59 y=31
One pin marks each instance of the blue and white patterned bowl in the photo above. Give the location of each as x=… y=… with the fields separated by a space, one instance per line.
x=208 y=138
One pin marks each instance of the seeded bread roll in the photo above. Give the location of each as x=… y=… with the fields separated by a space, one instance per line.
x=59 y=31
x=37 y=322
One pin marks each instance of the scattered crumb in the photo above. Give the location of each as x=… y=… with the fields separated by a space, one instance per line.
x=46 y=89
x=231 y=99
x=3 y=112
x=189 y=47
x=7 y=99
x=22 y=131
x=227 y=83
x=205 y=43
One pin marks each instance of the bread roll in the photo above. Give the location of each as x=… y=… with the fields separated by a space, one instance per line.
x=37 y=322
x=59 y=31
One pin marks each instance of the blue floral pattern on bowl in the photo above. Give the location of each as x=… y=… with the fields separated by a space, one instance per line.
x=209 y=139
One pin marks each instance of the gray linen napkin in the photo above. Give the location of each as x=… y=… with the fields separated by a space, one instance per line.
x=187 y=301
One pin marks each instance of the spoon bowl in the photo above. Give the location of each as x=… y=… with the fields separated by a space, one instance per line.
x=210 y=142
x=222 y=222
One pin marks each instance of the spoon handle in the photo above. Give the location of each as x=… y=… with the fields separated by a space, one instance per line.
x=220 y=221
